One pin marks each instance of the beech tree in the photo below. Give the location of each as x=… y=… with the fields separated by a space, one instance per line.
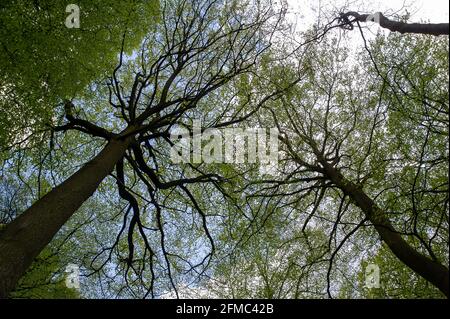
x=362 y=141
x=197 y=48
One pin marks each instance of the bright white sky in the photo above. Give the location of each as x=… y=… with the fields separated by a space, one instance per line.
x=434 y=11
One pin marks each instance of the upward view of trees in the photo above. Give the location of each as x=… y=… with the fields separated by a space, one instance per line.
x=90 y=118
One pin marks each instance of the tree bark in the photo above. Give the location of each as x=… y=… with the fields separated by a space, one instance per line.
x=432 y=271
x=23 y=239
x=397 y=26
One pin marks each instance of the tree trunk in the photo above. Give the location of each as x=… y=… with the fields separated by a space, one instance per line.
x=402 y=27
x=432 y=271
x=25 y=237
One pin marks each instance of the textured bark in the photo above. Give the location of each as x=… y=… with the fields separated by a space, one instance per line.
x=397 y=26
x=24 y=238
x=432 y=271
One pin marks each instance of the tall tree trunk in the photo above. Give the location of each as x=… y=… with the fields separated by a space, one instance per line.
x=397 y=26
x=432 y=271
x=25 y=237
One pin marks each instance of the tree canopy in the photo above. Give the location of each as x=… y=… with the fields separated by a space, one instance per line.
x=116 y=153
x=44 y=62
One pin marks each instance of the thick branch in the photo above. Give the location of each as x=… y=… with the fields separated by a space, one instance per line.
x=429 y=269
x=397 y=26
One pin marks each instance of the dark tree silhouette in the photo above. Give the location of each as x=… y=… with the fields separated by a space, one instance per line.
x=198 y=48
x=395 y=26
